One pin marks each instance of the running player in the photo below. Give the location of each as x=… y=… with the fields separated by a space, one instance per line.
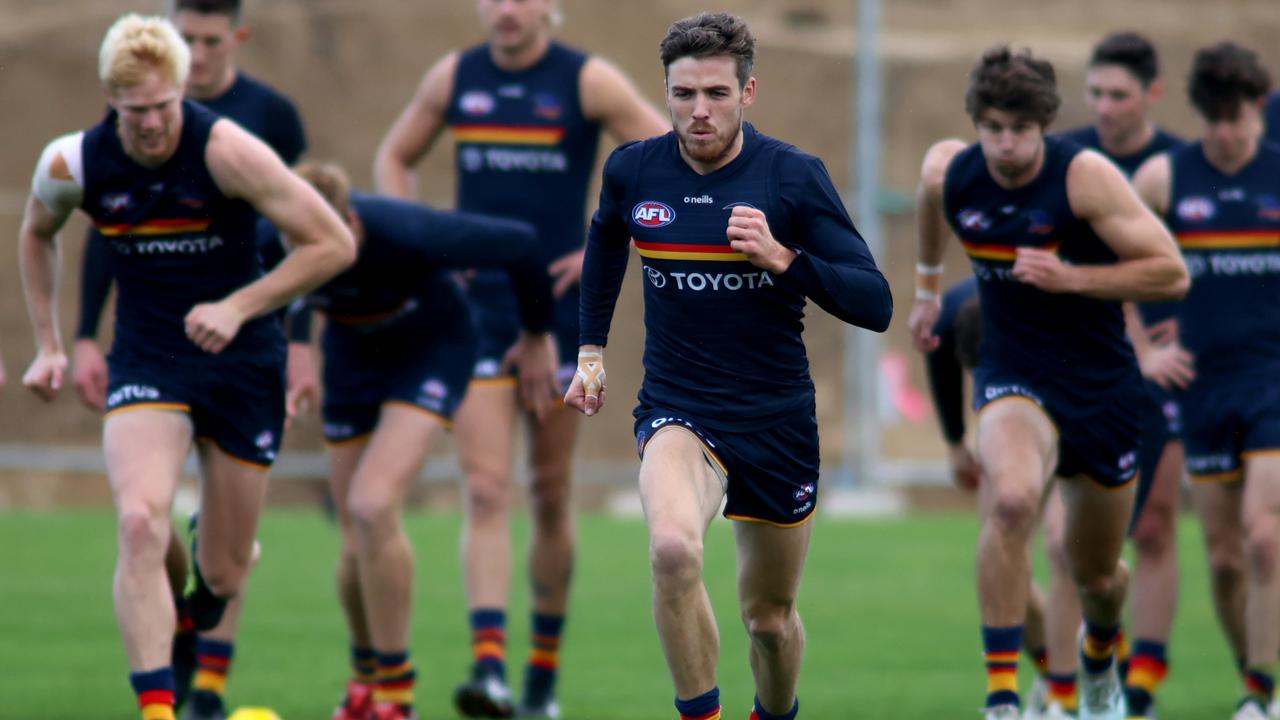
x=214 y=32
x=1221 y=198
x=526 y=112
x=735 y=230
x=399 y=348
x=1122 y=86
x=1056 y=236
x=196 y=356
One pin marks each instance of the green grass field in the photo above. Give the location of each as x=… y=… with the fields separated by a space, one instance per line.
x=889 y=607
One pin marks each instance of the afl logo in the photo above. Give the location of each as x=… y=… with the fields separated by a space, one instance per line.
x=653 y=214
x=655 y=276
x=973 y=220
x=476 y=102
x=1195 y=208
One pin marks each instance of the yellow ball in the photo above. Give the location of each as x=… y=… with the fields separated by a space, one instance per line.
x=254 y=713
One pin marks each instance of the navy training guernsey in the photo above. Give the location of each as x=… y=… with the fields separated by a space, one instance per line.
x=1063 y=340
x=253 y=105
x=723 y=337
x=399 y=273
x=176 y=241
x=1228 y=228
x=524 y=149
x=1161 y=141
x=265 y=112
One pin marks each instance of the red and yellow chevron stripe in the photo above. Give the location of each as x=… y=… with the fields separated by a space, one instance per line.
x=672 y=251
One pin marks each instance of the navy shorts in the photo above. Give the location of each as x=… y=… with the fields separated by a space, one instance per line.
x=497 y=323
x=237 y=405
x=1226 y=423
x=1101 y=441
x=363 y=372
x=1170 y=410
x=770 y=475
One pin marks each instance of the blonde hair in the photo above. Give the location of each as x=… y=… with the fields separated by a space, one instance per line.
x=331 y=181
x=135 y=45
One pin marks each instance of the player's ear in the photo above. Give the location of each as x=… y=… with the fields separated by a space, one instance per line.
x=242 y=34
x=749 y=92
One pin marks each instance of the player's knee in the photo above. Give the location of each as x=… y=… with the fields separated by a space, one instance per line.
x=224 y=571
x=549 y=499
x=1226 y=564
x=371 y=512
x=1014 y=509
x=769 y=624
x=676 y=557
x=1153 y=536
x=1262 y=546
x=144 y=534
x=488 y=494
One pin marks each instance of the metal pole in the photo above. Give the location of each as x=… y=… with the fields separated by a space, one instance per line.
x=862 y=348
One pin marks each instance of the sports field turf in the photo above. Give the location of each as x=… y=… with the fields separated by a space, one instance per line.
x=889 y=606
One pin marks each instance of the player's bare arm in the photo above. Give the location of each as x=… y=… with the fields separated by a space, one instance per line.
x=1149 y=266
x=932 y=235
x=1153 y=183
x=55 y=193
x=244 y=167
x=611 y=99
x=415 y=131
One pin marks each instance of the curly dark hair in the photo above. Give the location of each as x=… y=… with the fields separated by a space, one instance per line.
x=1016 y=83
x=1223 y=77
x=707 y=35
x=1131 y=51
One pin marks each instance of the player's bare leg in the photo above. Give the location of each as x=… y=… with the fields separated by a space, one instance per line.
x=357 y=703
x=485 y=434
x=681 y=495
x=1017 y=449
x=551 y=553
x=770 y=564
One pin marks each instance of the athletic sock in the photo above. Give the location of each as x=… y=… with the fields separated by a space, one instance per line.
x=759 y=713
x=364 y=665
x=1000 y=648
x=395 y=679
x=213 y=662
x=155 y=693
x=489 y=640
x=1063 y=691
x=704 y=707
x=1098 y=649
x=544 y=658
x=1148 y=667
x=1260 y=683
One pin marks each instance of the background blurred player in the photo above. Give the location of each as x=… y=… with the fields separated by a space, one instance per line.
x=399 y=348
x=1056 y=236
x=1219 y=196
x=214 y=31
x=736 y=230
x=526 y=112
x=195 y=356
x=1122 y=87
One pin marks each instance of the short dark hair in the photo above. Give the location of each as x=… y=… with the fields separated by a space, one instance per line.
x=710 y=34
x=1015 y=83
x=1222 y=77
x=968 y=333
x=1131 y=51
x=230 y=8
